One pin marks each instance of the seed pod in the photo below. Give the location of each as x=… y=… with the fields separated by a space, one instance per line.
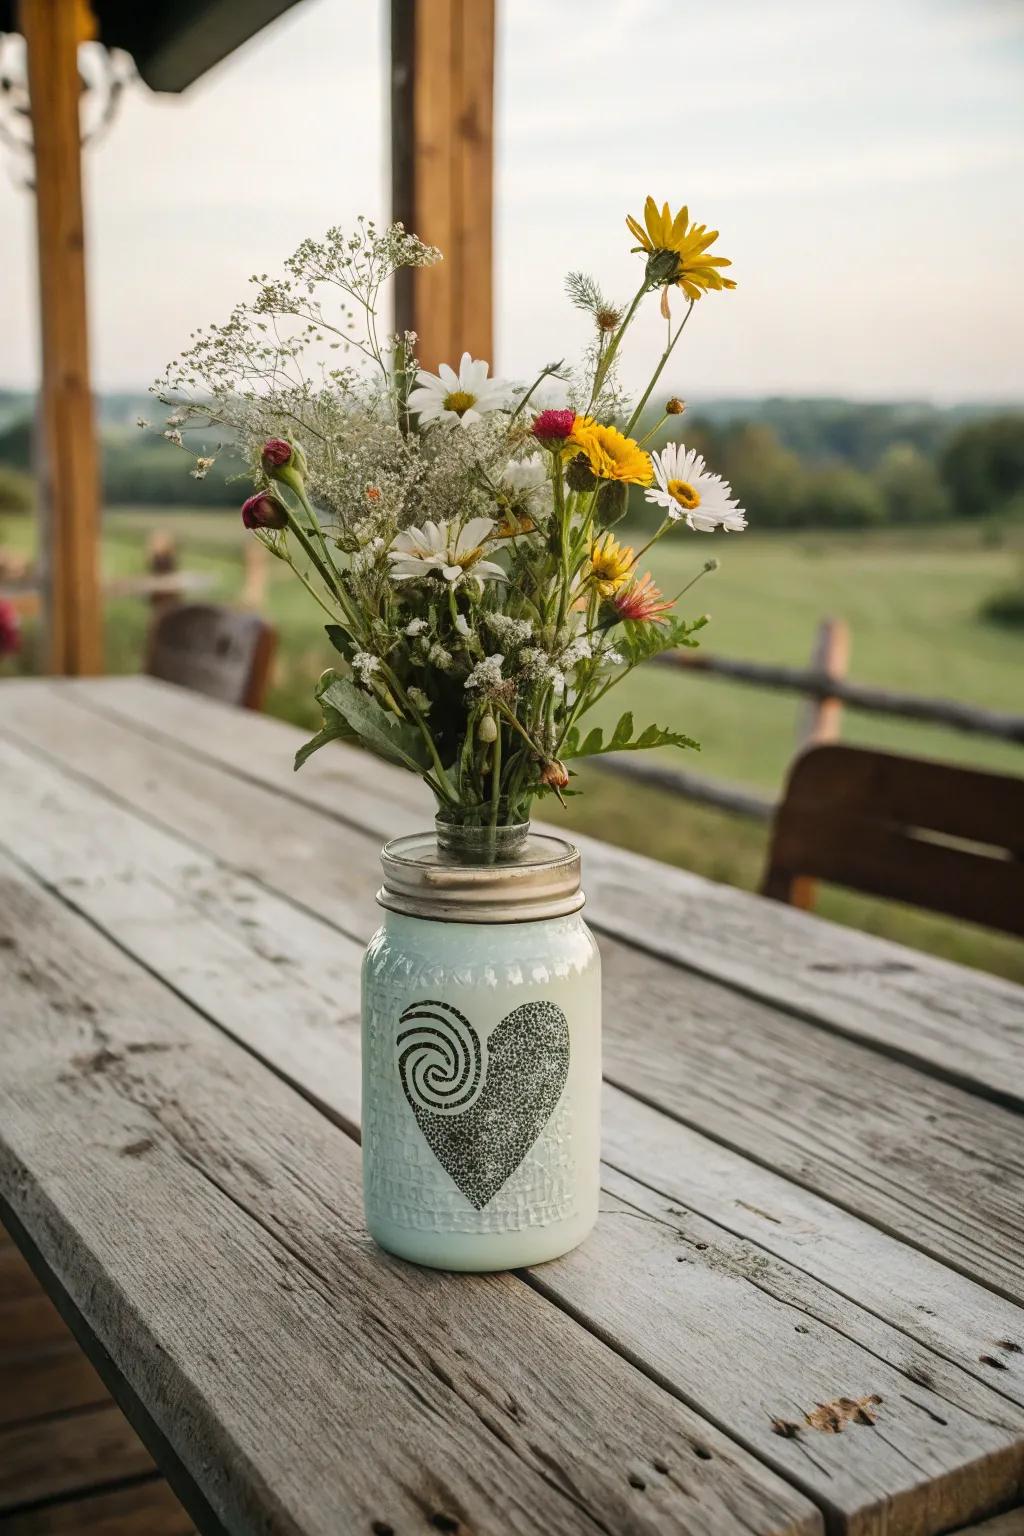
x=487 y=730
x=612 y=501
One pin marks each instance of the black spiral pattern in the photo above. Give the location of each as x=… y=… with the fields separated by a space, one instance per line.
x=439 y=1056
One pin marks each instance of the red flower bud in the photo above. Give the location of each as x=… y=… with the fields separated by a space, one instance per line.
x=264 y=511
x=10 y=629
x=553 y=426
x=276 y=453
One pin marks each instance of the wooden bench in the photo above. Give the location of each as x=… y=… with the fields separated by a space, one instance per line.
x=942 y=837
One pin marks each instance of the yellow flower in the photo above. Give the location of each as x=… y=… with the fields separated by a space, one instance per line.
x=666 y=237
x=610 y=564
x=610 y=455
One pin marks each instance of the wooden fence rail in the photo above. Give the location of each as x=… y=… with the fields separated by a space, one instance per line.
x=827 y=689
x=879 y=701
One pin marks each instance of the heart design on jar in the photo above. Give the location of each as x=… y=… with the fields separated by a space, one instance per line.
x=482 y=1108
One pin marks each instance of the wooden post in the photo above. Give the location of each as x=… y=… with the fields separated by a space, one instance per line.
x=819 y=719
x=52 y=31
x=442 y=124
x=819 y=722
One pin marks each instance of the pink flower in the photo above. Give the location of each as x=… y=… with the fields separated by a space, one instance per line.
x=264 y=511
x=641 y=602
x=276 y=453
x=10 y=629
x=553 y=426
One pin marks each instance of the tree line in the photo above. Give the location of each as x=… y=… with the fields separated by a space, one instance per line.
x=793 y=463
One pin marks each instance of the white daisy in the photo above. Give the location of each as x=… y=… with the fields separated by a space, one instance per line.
x=686 y=488
x=454 y=551
x=464 y=397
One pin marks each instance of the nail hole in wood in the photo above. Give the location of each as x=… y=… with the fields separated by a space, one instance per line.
x=659 y=1464
x=636 y=1481
x=997 y=1365
x=442 y=1522
x=1010 y=1347
x=700 y=1451
x=381 y=1528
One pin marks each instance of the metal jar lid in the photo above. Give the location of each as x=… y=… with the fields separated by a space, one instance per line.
x=540 y=879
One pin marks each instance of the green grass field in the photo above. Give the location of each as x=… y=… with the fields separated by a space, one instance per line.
x=911 y=600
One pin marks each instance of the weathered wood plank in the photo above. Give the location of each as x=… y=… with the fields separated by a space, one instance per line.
x=961 y=1023
x=268 y=1337
x=213 y=972
x=928 y=1162
x=144 y=1509
x=68 y=1453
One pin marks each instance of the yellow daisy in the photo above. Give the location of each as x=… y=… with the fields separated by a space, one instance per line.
x=610 y=564
x=609 y=454
x=666 y=238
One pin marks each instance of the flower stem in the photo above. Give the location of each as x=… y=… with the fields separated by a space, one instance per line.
x=631 y=423
x=608 y=357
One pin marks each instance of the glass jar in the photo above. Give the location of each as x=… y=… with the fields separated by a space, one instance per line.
x=481 y=1052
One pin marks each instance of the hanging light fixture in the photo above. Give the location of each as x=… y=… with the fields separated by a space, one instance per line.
x=103 y=75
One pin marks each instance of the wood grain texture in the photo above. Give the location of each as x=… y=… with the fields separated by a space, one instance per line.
x=254 y=1316
x=926 y=1161
x=52 y=31
x=951 y=1021
x=144 y=1509
x=806 y=1331
x=68 y=1453
x=450 y=201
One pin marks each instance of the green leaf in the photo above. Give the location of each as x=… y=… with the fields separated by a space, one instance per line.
x=642 y=641
x=623 y=740
x=383 y=733
x=339 y=638
x=334 y=728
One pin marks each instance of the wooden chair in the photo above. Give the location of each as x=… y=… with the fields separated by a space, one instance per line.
x=945 y=838
x=214 y=651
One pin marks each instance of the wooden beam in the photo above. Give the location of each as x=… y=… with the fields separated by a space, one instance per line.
x=53 y=30
x=442 y=55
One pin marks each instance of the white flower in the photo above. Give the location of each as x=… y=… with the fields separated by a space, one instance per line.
x=203 y=467
x=420 y=699
x=366 y=558
x=140 y=421
x=439 y=657
x=458 y=398
x=577 y=650
x=486 y=673
x=687 y=489
x=175 y=437
x=525 y=475
x=612 y=658
x=365 y=665
x=415 y=626
x=512 y=631
x=454 y=552
x=462 y=625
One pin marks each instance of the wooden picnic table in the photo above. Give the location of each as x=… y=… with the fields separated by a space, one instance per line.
x=802 y=1309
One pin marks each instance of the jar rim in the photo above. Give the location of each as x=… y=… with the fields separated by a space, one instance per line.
x=541 y=880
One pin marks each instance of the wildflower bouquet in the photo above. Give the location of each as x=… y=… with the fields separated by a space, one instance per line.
x=455 y=529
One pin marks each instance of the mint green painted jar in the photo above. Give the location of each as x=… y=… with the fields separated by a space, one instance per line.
x=481 y=1052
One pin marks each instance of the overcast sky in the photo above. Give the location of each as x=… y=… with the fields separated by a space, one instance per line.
x=863 y=160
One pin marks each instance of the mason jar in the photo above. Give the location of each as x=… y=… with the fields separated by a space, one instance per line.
x=481 y=1052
